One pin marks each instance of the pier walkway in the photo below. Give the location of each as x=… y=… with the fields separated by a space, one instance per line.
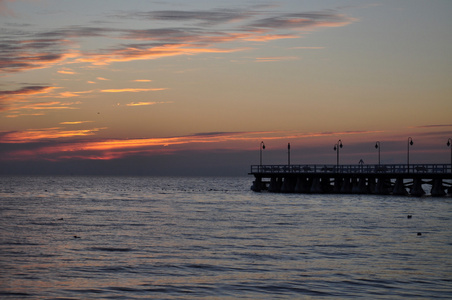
x=397 y=179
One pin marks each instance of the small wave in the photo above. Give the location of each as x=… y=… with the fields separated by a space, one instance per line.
x=125 y=289
x=206 y=267
x=85 y=291
x=14 y=294
x=282 y=289
x=111 y=249
x=337 y=246
x=6 y=243
x=45 y=223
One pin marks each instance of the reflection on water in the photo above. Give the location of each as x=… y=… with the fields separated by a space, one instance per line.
x=213 y=237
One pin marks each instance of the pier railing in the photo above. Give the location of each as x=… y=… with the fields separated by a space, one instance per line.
x=353 y=169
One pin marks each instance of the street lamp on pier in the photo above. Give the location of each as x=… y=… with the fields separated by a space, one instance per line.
x=377 y=146
x=410 y=143
x=336 y=148
x=261 y=147
x=449 y=144
x=288 y=154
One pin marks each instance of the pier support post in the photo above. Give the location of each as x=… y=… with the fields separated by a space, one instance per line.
x=316 y=187
x=355 y=187
x=372 y=185
x=275 y=185
x=359 y=185
x=382 y=187
x=302 y=185
x=416 y=189
x=346 y=187
x=288 y=185
x=326 y=185
x=257 y=184
x=363 y=188
x=399 y=187
x=437 y=188
x=337 y=184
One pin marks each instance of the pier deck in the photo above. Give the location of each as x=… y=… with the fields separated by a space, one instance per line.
x=396 y=179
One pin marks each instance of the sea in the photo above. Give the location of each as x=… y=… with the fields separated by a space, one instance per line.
x=77 y=237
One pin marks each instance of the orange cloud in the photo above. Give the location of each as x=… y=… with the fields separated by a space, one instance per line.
x=143 y=103
x=34 y=135
x=48 y=105
x=116 y=148
x=114 y=144
x=134 y=53
x=9 y=99
x=22 y=115
x=25 y=91
x=67 y=95
x=75 y=122
x=142 y=80
x=67 y=72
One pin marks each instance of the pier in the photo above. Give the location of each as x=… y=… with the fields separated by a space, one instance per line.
x=399 y=179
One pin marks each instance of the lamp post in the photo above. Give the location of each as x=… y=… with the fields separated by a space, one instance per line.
x=449 y=144
x=288 y=154
x=410 y=143
x=377 y=146
x=336 y=148
x=261 y=147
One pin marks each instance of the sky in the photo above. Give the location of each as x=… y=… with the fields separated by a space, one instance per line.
x=109 y=87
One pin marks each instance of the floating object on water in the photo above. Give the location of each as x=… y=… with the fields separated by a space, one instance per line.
x=76 y=237
x=419 y=233
x=409 y=216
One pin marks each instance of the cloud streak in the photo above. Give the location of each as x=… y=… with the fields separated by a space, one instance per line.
x=117 y=148
x=145 y=103
x=8 y=97
x=28 y=90
x=48 y=48
x=18 y=55
x=304 y=21
x=74 y=122
x=137 y=52
x=33 y=135
x=201 y=17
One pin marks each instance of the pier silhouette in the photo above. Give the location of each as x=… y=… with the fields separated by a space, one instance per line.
x=382 y=179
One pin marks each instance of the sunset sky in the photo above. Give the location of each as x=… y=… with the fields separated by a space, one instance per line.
x=192 y=87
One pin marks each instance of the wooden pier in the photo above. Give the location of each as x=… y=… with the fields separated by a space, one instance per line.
x=413 y=179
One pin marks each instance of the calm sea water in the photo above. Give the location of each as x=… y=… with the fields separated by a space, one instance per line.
x=179 y=238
